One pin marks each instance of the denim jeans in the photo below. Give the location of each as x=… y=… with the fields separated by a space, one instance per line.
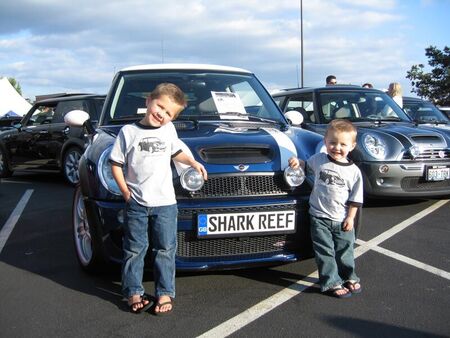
x=333 y=248
x=163 y=237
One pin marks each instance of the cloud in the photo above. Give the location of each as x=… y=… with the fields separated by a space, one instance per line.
x=53 y=46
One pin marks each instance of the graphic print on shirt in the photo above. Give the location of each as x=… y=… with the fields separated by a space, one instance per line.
x=152 y=145
x=331 y=177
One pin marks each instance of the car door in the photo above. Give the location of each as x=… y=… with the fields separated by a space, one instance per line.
x=28 y=147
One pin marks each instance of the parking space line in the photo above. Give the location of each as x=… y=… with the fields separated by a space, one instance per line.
x=13 y=218
x=410 y=261
x=251 y=314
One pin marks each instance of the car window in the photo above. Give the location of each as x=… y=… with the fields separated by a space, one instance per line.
x=128 y=100
x=424 y=112
x=64 y=107
x=359 y=106
x=43 y=114
x=303 y=104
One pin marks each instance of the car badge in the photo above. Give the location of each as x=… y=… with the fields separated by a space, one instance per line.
x=441 y=154
x=241 y=167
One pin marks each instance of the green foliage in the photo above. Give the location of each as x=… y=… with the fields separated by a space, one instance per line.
x=15 y=84
x=435 y=85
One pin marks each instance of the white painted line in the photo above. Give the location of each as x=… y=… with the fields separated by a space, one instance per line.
x=397 y=228
x=244 y=318
x=13 y=218
x=410 y=261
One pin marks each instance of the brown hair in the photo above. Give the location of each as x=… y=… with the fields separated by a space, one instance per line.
x=172 y=91
x=341 y=126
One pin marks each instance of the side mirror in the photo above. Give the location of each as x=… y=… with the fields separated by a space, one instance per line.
x=294 y=117
x=79 y=118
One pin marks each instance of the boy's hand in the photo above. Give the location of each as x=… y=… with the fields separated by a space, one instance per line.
x=294 y=163
x=201 y=169
x=348 y=224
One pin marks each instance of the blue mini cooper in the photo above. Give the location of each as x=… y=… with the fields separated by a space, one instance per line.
x=252 y=210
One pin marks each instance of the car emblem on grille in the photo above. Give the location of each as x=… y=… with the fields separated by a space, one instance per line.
x=241 y=167
x=441 y=154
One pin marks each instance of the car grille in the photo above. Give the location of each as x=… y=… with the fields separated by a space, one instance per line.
x=191 y=247
x=430 y=154
x=412 y=184
x=242 y=185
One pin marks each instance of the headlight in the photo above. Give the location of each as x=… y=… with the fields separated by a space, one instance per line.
x=105 y=173
x=294 y=177
x=191 y=180
x=375 y=146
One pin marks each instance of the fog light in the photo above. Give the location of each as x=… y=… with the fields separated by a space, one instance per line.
x=383 y=169
x=191 y=180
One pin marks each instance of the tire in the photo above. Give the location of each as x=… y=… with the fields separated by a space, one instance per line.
x=87 y=245
x=4 y=169
x=70 y=165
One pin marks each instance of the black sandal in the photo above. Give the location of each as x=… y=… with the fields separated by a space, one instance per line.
x=144 y=307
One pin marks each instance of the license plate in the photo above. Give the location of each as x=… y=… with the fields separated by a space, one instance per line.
x=438 y=173
x=235 y=224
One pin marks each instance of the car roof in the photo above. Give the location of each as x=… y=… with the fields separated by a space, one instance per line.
x=70 y=97
x=413 y=99
x=185 y=66
x=324 y=88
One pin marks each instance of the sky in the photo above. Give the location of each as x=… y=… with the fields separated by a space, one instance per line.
x=54 y=46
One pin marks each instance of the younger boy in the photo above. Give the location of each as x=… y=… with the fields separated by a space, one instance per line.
x=144 y=177
x=336 y=196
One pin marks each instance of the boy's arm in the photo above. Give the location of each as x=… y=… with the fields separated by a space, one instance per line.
x=120 y=179
x=188 y=160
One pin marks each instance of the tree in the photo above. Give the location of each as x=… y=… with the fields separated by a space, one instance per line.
x=15 y=84
x=435 y=85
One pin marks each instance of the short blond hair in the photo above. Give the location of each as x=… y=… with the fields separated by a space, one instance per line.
x=342 y=126
x=172 y=91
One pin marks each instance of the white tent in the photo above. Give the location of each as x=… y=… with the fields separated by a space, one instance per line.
x=11 y=102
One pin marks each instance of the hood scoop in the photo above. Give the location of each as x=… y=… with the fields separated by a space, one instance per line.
x=429 y=141
x=236 y=154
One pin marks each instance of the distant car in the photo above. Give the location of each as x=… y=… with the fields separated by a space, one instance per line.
x=445 y=110
x=41 y=141
x=252 y=210
x=425 y=113
x=396 y=156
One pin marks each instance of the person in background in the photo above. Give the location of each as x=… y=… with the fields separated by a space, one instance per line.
x=367 y=85
x=335 y=199
x=395 y=91
x=331 y=80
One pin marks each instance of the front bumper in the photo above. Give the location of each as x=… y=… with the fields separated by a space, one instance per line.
x=402 y=179
x=106 y=219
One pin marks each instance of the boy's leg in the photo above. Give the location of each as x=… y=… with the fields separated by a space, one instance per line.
x=345 y=259
x=135 y=245
x=322 y=238
x=164 y=246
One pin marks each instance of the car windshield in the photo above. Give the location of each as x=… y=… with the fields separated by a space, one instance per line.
x=424 y=112
x=211 y=96
x=360 y=106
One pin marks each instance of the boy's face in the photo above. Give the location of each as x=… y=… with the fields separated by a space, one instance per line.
x=161 y=110
x=339 y=144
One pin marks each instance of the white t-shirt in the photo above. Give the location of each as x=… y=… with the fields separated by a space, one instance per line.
x=336 y=185
x=145 y=152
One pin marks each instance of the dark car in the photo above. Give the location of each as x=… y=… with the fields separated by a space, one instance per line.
x=425 y=113
x=397 y=157
x=252 y=210
x=41 y=141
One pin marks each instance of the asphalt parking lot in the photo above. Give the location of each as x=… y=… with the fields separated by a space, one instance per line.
x=403 y=260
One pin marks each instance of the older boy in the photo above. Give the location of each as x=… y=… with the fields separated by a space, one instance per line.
x=144 y=177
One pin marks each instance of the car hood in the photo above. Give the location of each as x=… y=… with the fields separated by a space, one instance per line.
x=237 y=147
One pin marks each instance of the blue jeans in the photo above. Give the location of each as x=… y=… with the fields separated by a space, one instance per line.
x=333 y=248
x=163 y=234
